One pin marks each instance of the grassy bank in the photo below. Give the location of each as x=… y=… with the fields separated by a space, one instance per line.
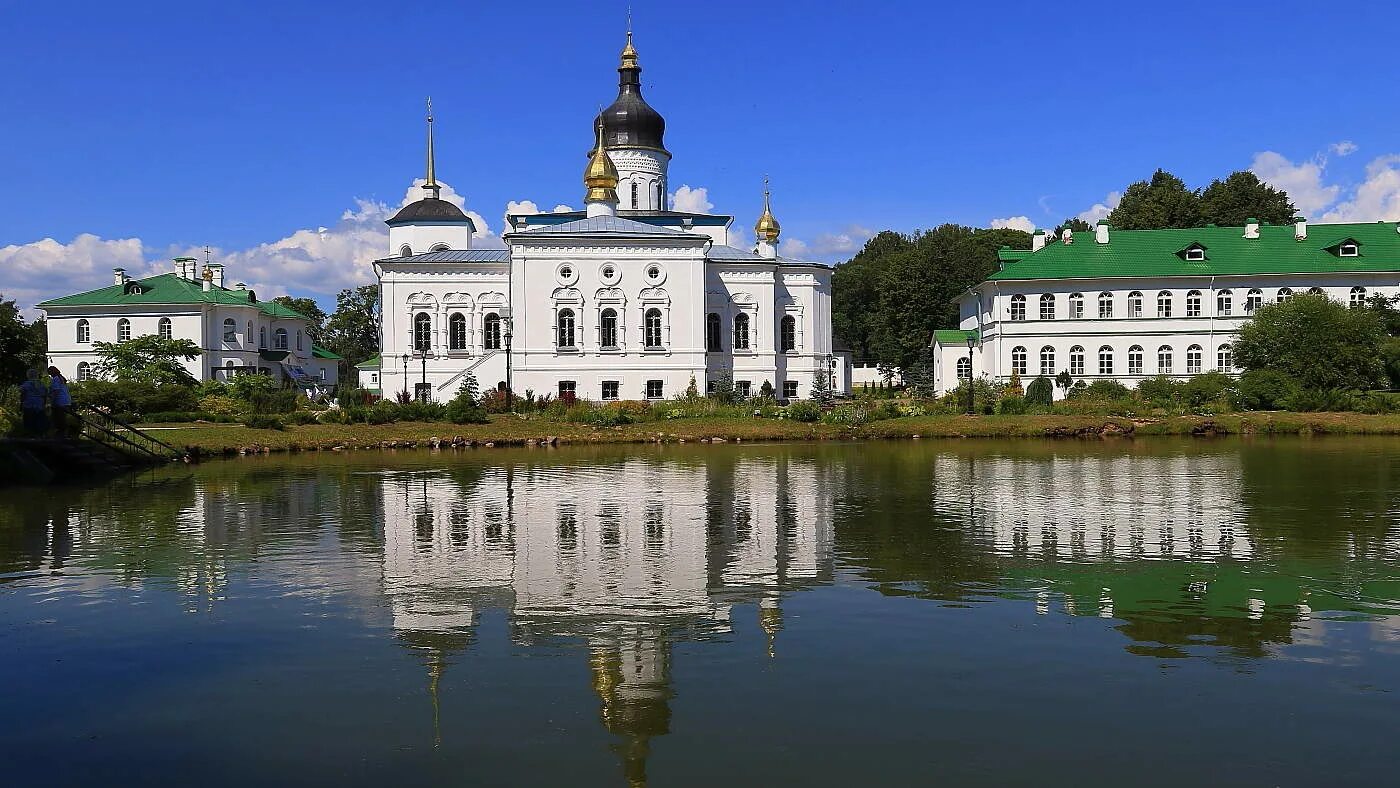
x=514 y=431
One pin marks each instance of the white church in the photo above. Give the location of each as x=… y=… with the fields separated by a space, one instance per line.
x=625 y=300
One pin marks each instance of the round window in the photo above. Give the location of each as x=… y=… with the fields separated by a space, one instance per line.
x=653 y=273
x=566 y=272
x=607 y=272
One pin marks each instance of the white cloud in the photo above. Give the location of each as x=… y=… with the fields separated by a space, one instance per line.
x=1100 y=210
x=848 y=242
x=46 y=268
x=1014 y=223
x=562 y=208
x=795 y=248
x=1376 y=199
x=1343 y=148
x=1302 y=181
x=522 y=206
x=688 y=200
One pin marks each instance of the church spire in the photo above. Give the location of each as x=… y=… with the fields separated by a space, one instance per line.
x=600 y=177
x=431 y=184
x=767 y=229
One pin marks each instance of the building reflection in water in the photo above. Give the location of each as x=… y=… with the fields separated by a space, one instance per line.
x=627 y=557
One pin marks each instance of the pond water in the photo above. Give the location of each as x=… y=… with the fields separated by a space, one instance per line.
x=1155 y=613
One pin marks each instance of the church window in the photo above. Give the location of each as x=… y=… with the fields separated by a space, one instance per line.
x=964 y=368
x=1135 y=304
x=248 y=337
x=607 y=330
x=1135 y=360
x=1316 y=291
x=655 y=389
x=1047 y=307
x=1018 y=360
x=262 y=337
x=1285 y=294
x=1047 y=361
x=298 y=339
x=1358 y=298
x=652 y=332
x=279 y=339
x=422 y=332
x=439 y=248
x=1076 y=306
x=230 y=331
x=84 y=371
x=84 y=331
x=660 y=197
x=712 y=332
x=1105 y=360
x=405 y=251
x=610 y=389
x=1224 y=303
x=566 y=273
x=789 y=333
x=1253 y=301
x=457 y=331
x=789 y=389
x=1225 y=359
x=1105 y=304
x=1194 y=360
x=1193 y=303
x=123 y=330
x=744 y=388
x=492 y=332
x=1018 y=307
x=1164 y=304
x=654 y=274
x=741 y=332
x=568 y=390
x=163 y=328
x=634 y=195
x=564 y=330
x=1076 y=360
x=1164 y=360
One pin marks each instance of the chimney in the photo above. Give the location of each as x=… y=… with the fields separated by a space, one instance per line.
x=1038 y=241
x=1101 y=232
x=218 y=274
x=1300 y=228
x=185 y=268
x=1251 y=228
x=1067 y=236
x=118 y=276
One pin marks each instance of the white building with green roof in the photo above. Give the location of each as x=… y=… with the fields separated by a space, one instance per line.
x=1125 y=305
x=236 y=332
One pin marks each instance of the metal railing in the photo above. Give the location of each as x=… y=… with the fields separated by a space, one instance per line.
x=103 y=427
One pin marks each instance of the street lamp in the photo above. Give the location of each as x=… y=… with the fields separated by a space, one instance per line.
x=405 y=376
x=970 y=342
x=509 y=326
x=423 y=387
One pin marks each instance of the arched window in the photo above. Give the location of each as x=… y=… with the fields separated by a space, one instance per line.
x=1164 y=360
x=1316 y=291
x=634 y=195
x=1224 y=303
x=298 y=339
x=964 y=368
x=1047 y=307
x=1018 y=360
x=564 y=330
x=1076 y=306
x=660 y=198
x=279 y=339
x=422 y=332
x=1135 y=304
x=457 y=331
x=1193 y=303
x=651 y=333
x=123 y=330
x=741 y=331
x=607 y=329
x=1076 y=360
x=262 y=337
x=248 y=337
x=84 y=371
x=712 y=333
x=439 y=248
x=1194 y=360
x=1285 y=294
x=788 y=334
x=1105 y=360
x=1047 y=361
x=84 y=331
x=1224 y=358
x=230 y=331
x=1358 y=297
x=163 y=328
x=1164 y=304
x=1135 y=360
x=1105 y=304
x=491 y=332
x=1253 y=300
x=1018 y=307
x=405 y=251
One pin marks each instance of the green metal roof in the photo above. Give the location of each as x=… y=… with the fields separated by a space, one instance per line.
x=954 y=336
x=370 y=363
x=1141 y=253
x=173 y=289
x=319 y=352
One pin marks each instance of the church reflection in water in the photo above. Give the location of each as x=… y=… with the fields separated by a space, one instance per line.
x=628 y=557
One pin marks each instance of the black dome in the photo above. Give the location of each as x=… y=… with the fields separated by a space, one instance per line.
x=630 y=122
x=428 y=209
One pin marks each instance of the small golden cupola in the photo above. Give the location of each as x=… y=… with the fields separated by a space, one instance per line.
x=767 y=229
x=600 y=176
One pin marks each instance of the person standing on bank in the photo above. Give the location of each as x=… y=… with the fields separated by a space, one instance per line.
x=60 y=402
x=31 y=403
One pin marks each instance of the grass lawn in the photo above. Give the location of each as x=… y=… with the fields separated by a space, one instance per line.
x=513 y=430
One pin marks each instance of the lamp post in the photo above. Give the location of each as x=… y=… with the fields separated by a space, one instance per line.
x=970 y=342
x=423 y=387
x=405 y=376
x=510 y=333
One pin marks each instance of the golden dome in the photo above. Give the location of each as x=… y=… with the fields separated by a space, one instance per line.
x=629 y=54
x=601 y=175
x=767 y=228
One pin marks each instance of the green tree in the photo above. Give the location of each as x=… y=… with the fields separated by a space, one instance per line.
x=855 y=289
x=1243 y=196
x=1319 y=342
x=352 y=332
x=1078 y=225
x=147 y=359
x=22 y=345
x=311 y=309
x=1158 y=203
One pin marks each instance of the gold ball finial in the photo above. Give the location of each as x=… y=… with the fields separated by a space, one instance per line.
x=600 y=176
x=767 y=228
x=629 y=53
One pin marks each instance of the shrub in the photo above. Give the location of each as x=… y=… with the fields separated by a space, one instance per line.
x=302 y=417
x=847 y=415
x=1106 y=390
x=1161 y=391
x=804 y=411
x=460 y=412
x=1040 y=392
x=1315 y=401
x=1012 y=405
x=1263 y=389
x=382 y=412
x=985 y=394
x=494 y=401
x=220 y=405
x=131 y=397
x=421 y=411
x=1376 y=402
x=607 y=415
x=263 y=421
x=1207 y=387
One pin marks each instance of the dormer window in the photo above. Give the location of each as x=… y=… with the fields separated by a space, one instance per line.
x=1195 y=253
x=1348 y=249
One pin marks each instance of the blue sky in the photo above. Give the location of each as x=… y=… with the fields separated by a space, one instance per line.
x=136 y=131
